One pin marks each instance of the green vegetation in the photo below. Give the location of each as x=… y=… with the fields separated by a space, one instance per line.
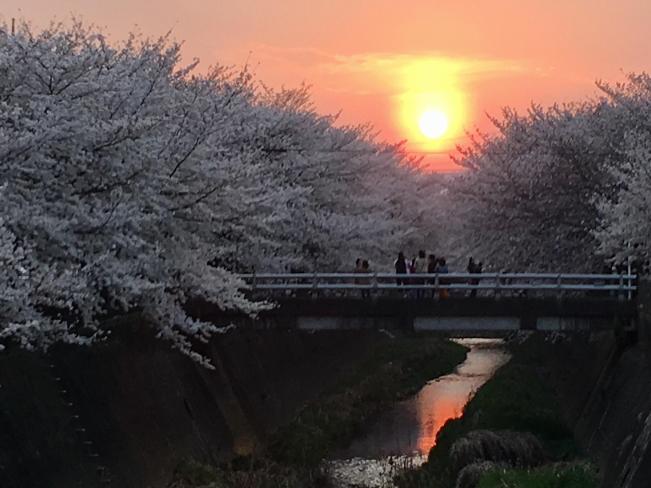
x=579 y=475
x=191 y=473
x=515 y=399
x=395 y=370
x=250 y=474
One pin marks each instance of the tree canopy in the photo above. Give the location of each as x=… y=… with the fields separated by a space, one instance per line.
x=132 y=182
x=561 y=188
x=124 y=174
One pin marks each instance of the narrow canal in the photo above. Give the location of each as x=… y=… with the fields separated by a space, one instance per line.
x=403 y=436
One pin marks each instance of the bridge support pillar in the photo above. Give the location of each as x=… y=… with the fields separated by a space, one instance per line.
x=528 y=322
x=644 y=312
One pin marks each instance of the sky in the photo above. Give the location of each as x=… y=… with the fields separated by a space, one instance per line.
x=421 y=71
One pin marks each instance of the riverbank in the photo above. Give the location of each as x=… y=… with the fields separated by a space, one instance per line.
x=130 y=409
x=293 y=456
x=390 y=373
x=409 y=427
x=134 y=409
x=401 y=436
x=514 y=422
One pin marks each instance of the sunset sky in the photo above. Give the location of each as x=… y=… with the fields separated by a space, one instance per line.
x=420 y=70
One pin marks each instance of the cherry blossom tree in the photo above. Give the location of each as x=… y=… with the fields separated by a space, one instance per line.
x=625 y=230
x=528 y=198
x=343 y=191
x=132 y=183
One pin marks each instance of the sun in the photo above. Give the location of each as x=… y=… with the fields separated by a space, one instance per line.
x=432 y=104
x=433 y=123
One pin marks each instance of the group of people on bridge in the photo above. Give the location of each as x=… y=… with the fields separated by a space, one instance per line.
x=421 y=263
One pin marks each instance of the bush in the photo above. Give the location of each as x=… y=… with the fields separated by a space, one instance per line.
x=553 y=476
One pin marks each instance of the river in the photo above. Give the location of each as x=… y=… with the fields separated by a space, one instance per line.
x=402 y=436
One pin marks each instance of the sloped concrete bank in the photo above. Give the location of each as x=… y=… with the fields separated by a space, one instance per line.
x=125 y=413
x=614 y=424
x=603 y=385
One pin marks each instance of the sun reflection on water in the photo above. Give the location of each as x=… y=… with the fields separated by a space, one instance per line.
x=410 y=428
x=444 y=398
x=404 y=435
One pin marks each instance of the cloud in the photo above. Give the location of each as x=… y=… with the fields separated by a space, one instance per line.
x=462 y=66
x=386 y=73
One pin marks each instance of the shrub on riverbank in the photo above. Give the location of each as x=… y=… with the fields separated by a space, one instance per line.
x=392 y=372
x=578 y=475
x=521 y=449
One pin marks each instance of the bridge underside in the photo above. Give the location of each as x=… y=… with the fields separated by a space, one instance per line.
x=454 y=316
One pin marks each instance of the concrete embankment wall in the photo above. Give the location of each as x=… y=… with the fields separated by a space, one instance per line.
x=124 y=413
x=615 y=425
x=603 y=381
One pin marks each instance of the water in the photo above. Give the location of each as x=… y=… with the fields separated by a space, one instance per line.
x=403 y=436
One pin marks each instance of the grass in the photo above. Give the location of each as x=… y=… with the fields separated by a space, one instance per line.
x=393 y=371
x=256 y=474
x=577 y=475
x=514 y=399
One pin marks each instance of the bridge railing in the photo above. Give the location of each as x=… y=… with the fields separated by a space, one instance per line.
x=604 y=285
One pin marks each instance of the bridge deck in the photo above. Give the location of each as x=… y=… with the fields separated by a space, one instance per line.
x=461 y=315
x=504 y=301
x=454 y=307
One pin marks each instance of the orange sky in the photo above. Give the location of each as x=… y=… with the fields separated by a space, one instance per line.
x=383 y=61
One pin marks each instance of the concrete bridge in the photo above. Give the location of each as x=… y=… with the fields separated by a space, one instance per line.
x=454 y=303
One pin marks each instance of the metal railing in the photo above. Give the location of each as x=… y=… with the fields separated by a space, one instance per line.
x=606 y=285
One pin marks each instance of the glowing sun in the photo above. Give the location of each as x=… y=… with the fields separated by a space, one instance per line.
x=433 y=123
x=432 y=104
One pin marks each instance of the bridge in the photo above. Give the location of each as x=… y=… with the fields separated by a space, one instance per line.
x=453 y=303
